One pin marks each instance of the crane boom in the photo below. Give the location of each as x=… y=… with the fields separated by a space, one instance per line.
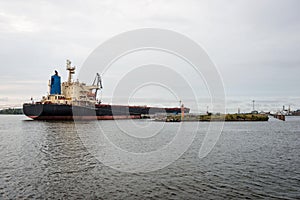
x=97 y=82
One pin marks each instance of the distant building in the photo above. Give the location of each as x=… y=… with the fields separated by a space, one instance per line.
x=254 y=112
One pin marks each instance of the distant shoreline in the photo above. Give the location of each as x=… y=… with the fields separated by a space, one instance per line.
x=11 y=111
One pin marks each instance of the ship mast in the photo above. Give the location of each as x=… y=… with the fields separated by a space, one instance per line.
x=71 y=71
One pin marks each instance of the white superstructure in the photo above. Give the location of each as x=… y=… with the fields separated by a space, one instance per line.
x=75 y=92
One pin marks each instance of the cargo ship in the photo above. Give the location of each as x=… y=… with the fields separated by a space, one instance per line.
x=74 y=100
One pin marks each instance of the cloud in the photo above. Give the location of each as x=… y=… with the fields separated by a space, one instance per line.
x=13 y=23
x=5 y=99
x=254 y=43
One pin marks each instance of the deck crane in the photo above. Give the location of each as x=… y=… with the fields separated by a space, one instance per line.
x=97 y=82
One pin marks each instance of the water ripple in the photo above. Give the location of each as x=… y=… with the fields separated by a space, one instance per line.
x=42 y=160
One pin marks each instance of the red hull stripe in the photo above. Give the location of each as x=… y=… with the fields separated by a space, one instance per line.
x=85 y=117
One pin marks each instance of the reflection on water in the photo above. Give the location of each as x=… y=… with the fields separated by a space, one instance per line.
x=250 y=160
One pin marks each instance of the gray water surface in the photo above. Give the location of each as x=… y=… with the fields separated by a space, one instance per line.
x=254 y=160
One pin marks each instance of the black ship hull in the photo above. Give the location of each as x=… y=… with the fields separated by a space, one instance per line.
x=296 y=113
x=98 y=112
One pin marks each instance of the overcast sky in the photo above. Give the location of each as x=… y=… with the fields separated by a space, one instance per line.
x=254 y=43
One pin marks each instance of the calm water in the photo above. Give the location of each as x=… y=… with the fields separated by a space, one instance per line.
x=251 y=160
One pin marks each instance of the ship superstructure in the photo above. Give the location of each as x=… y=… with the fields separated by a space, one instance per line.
x=72 y=92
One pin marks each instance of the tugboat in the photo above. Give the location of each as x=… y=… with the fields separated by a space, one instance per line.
x=72 y=100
